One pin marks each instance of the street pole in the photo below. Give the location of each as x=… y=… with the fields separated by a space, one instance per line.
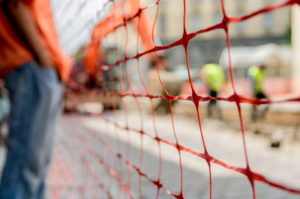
x=296 y=48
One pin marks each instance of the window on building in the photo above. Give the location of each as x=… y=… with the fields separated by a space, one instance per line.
x=195 y=1
x=268 y=21
x=196 y=22
x=163 y=1
x=162 y=23
x=217 y=19
x=241 y=26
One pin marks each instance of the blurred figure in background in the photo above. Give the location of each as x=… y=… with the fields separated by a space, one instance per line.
x=171 y=80
x=213 y=76
x=34 y=68
x=4 y=111
x=256 y=76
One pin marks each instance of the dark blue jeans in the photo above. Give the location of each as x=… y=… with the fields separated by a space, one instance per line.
x=36 y=99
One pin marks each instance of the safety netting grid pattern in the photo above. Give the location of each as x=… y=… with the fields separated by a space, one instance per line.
x=102 y=168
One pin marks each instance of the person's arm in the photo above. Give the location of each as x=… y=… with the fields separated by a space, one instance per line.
x=26 y=24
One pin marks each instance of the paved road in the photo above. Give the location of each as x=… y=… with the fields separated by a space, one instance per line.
x=77 y=170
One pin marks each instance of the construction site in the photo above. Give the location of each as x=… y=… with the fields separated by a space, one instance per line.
x=167 y=99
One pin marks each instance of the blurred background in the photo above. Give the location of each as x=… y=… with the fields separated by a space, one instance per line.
x=106 y=111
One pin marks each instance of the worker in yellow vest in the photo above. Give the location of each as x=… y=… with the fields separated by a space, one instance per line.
x=214 y=77
x=257 y=76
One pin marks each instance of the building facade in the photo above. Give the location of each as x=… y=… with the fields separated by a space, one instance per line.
x=262 y=29
x=205 y=13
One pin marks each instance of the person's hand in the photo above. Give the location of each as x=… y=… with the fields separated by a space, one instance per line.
x=2 y=87
x=44 y=59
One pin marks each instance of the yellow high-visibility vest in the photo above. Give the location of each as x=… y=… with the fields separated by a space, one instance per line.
x=215 y=77
x=258 y=78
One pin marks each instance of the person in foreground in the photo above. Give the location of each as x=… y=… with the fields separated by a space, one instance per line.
x=34 y=69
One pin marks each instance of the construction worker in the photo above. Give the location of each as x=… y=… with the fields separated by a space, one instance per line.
x=214 y=77
x=171 y=81
x=34 y=69
x=256 y=75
